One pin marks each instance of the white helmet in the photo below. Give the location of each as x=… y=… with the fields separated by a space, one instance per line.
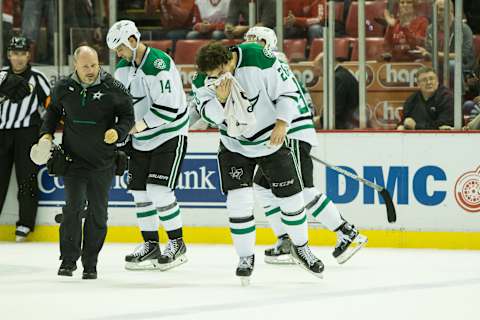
x=119 y=33
x=262 y=33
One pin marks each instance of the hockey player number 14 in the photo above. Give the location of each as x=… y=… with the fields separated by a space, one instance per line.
x=164 y=86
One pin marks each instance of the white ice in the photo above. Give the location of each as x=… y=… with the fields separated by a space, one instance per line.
x=375 y=284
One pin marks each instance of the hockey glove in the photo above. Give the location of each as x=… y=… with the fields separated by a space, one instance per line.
x=14 y=87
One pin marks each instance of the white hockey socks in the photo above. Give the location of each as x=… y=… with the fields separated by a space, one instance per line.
x=240 y=203
x=166 y=206
x=271 y=209
x=146 y=213
x=294 y=218
x=322 y=209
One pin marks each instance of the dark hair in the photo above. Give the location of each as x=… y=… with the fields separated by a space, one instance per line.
x=212 y=56
x=424 y=70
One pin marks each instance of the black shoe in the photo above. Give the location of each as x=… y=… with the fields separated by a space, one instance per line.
x=280 y=253
x=66 y=268
x=174 y=254
x=89 y=273
x=303 y=256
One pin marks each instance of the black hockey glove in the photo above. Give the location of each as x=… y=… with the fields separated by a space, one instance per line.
x=14 y=87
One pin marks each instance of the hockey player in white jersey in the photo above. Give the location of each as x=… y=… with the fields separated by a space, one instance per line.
x=158 y=141
x=267 y=94
x=349 y=240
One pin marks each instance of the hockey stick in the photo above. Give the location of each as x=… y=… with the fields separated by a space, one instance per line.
x=391 y=213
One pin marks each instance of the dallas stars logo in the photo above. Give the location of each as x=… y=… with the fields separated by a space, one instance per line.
x=98 y=95
x=137 y=99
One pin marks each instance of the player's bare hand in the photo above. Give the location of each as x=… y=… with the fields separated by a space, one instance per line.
x=223 y=90
x=111 y=136
x=278 y=133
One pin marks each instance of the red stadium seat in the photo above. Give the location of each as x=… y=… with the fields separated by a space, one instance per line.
x=185 y=50
x=164 y=45
x=294 y=49
x=373 y=9
x=373 y=48
x=342 y=47
x=476 y=45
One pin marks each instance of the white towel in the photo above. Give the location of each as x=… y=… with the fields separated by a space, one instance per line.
x=237 y=115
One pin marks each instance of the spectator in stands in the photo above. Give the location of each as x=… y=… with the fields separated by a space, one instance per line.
x=472 y=12
x=84 y=17
x=346 y=94
x=7 y=23
x=468 y=56
x=302 y=18
x=209 y=19
x=176 y=16
x=404 y=33
x=471 y=106
x=237 y=20
x=474 y=124
x=32 y=14
x=431 y=107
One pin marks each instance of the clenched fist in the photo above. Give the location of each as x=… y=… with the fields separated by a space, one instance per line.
x=111 y=136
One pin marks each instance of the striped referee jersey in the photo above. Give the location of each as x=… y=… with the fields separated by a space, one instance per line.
x=29 y=111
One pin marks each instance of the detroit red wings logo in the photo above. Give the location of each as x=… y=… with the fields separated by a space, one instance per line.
x=467 y=191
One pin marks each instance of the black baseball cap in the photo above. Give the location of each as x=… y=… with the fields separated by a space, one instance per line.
x=19 y=43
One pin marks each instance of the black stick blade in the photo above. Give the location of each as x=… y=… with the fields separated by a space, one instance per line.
x=391 y=213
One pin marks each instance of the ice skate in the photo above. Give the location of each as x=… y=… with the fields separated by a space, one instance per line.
x=144 y=257
x=245 y=269
x=280 y=253
x=173 y=256
x=304 y=257
x=349 y=241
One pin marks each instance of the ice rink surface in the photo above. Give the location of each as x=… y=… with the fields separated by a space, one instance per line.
x=375 y=284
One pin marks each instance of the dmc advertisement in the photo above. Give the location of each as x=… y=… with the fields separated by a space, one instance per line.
x=433 y=178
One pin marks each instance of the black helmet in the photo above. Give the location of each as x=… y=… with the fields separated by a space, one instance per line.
x=19 y=43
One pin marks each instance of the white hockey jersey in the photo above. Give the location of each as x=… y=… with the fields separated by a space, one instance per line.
x=274 y=94
x=158 y=98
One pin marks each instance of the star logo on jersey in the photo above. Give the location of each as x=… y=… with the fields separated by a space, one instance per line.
x=253 y=101
x=159 y=64
x=236 y=173
x=137 y=99
x=98 y=95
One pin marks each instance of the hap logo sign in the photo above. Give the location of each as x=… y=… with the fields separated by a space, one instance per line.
x=467 y=191
x=198 y=185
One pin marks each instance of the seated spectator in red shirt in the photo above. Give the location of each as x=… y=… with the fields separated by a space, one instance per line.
x=209 y=18
x=302 y=18
x=431 y=107
x=404 y=33
x=176 y=16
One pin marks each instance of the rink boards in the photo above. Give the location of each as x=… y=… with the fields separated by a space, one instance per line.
x=434 y=180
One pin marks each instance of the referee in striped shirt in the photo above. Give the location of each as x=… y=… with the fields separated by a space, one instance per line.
x=20 y=120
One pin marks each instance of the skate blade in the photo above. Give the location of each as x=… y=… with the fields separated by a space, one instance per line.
x=150 y=264
x=318 y=275
x=245 y=281
x=283 y=259
x=358 y=243
x=167 y=266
